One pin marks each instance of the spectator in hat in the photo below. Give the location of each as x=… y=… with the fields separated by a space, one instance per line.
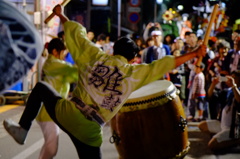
x=149 y=28
x=158 y=51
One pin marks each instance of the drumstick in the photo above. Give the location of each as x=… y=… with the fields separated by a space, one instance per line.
x=206 y=37
x=64 y=3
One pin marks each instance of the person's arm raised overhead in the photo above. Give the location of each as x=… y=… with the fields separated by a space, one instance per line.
x=58 y=10
x=231 y=82
x=200 y=51
x=79 y=46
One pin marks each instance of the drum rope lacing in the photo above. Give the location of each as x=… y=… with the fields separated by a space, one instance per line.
x=167 y=95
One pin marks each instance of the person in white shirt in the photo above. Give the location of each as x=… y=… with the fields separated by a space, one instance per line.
x=101 y=40
x=158 y=50
x=224 y=130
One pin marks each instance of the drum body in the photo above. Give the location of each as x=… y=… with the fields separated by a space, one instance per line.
x=151 y=124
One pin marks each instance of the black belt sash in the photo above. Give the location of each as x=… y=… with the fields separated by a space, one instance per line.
x=87 y=111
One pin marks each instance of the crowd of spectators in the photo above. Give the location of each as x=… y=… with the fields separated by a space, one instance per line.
x=206 y=89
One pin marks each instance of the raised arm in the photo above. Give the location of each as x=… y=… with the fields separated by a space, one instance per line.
x=231 y=83
x=212 y=86
x=200 y=51
x=79 y=46
x=58 y=10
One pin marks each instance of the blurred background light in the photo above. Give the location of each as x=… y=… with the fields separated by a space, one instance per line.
x=180 y=7
x=159 y=1
x=100 y=2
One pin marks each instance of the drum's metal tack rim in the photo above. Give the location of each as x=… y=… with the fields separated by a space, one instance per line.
x=183 y=153
x=151 y=100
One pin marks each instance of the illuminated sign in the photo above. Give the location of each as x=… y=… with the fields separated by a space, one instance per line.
x=100 y=2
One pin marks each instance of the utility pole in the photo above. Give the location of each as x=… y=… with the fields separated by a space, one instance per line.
x=119 y=17
x=39 y=19
x=89 y=9
x=155 y=11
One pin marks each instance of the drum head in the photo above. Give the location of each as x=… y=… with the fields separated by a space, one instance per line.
x=20 y=45
x=159 y=87
x=151 y=95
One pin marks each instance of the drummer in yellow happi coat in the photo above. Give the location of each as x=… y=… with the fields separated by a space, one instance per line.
x=104 y=84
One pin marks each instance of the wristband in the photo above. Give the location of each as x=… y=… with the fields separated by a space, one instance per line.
x=234 y=85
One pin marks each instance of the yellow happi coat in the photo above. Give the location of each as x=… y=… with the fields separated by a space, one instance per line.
x=59 y=74
x=104 y=81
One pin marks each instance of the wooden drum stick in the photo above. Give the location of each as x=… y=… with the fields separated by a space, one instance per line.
x=206 y=36
x=64 y=3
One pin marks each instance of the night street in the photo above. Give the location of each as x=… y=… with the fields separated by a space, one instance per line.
x=9 y=149
x=92 y=62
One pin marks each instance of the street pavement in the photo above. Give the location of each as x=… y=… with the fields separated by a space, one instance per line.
x=9 y=149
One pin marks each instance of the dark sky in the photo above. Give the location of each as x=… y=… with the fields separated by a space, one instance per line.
x=147 y=12
x=232 y=6
x=232 y=11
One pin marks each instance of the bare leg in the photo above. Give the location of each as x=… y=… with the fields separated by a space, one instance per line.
x=51 y=134
x=215 y=145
